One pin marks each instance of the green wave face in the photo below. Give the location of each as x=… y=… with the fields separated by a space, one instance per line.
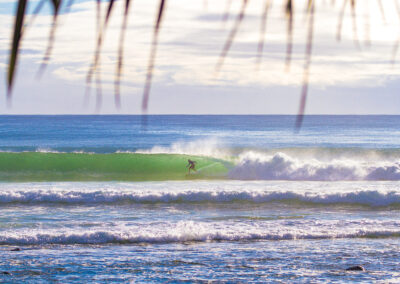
x=34 y=166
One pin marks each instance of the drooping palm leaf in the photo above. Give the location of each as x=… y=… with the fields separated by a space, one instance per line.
x=306 y=71
x=56 y=7
x=354 y=20
x=117 y=81
x=35 y=12
x=96 y=59
x=289 y=16
x=231 y=37
x=367 y=25
x=153 y=52
x=263 y=28
x=340 y=23
x=12 y=63
x=89 y=75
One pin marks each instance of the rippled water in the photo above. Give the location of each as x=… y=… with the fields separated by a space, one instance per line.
x=256 y=261
x=278 y=207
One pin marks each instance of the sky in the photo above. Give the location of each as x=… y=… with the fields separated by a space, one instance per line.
x=352 y=76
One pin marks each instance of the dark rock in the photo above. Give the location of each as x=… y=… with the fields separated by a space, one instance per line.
x=16 y=249
x=356 y=268
x=6 y=273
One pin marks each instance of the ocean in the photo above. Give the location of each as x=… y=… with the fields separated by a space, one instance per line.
x=100 y=199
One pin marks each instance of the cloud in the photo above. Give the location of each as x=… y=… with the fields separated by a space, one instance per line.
x=191 y=40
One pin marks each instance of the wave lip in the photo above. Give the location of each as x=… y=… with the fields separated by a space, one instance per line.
x=359 y=197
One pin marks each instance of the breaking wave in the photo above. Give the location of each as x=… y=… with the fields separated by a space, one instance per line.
x=214 y=161
x=280 y=166
x=190 y=231
x=262 y=194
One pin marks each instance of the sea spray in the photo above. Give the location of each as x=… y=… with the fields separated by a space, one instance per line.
x=280 y=166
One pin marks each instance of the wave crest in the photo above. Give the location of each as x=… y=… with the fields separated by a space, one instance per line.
x=255 y=166
x=359 y=197
x=190 y=231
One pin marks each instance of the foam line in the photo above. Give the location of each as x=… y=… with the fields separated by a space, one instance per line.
x=363 y=197
x=189 y=231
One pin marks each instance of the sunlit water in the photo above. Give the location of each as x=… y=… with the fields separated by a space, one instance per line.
x=267 y=205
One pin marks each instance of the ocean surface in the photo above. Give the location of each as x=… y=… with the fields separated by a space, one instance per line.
x=100 y=199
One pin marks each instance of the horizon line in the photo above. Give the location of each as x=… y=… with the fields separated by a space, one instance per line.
x=188 y=114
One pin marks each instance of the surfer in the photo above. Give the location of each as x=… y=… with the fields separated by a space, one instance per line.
x=191 y=164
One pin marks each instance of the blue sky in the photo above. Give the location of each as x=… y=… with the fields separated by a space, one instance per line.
x=344 y=79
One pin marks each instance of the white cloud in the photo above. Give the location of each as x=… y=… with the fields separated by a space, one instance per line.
x=190 y=43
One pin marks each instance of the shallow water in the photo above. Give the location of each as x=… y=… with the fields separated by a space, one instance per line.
x=290 y=261
x=206 y=230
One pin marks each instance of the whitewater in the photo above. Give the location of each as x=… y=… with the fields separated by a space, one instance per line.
x=374 y=194
x=170 y=163
x=98 y=199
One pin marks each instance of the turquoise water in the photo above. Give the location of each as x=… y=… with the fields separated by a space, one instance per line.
x=97 y=199
x=37 y=166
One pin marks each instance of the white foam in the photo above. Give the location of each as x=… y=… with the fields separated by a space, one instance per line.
x=279 y=166
x=366 y=193
x=188 y=231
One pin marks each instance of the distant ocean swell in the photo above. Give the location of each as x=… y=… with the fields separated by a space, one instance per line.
x=82 y=197
x=189 y=231
x=159 y=165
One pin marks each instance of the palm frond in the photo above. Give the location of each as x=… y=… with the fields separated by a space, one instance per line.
x=367 y=25
x=263 y=28
x=231 y=37
x=117 y=81
x=35 y=12
x=12 y=63
x=95 y=65
x=354 y=20
x=306 y=71
x=153 y=52
x=340 y=23
x=289 y=18
x=56 y=7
